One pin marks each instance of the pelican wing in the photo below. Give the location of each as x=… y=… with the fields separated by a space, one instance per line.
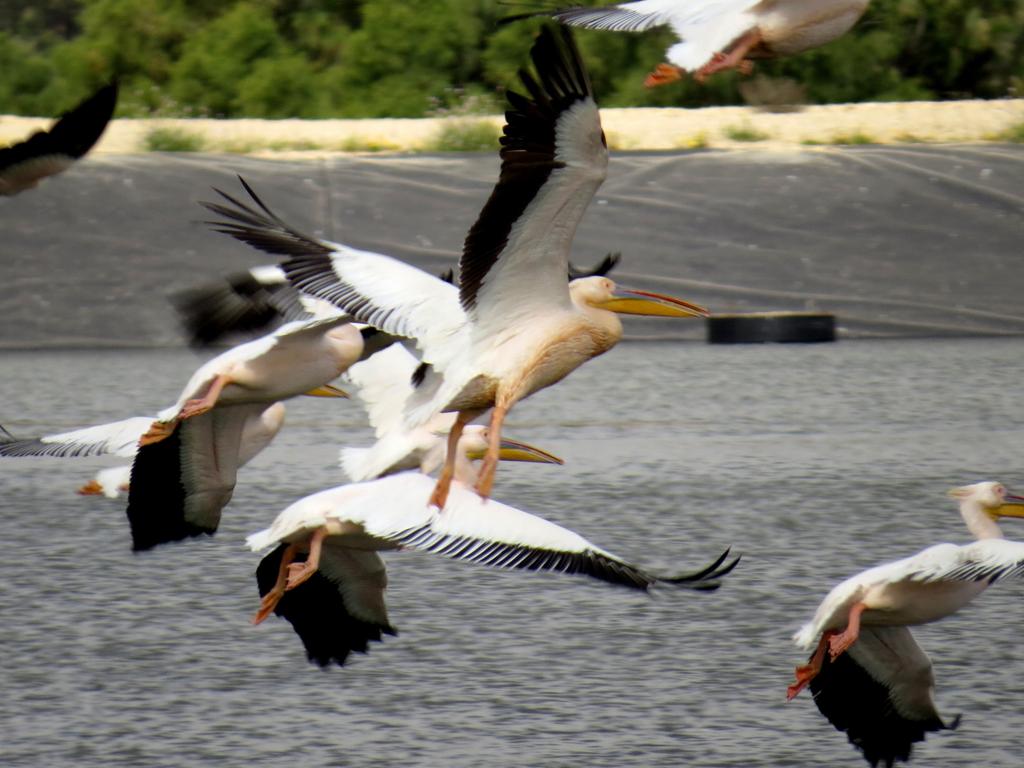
x=337 y=611
x=393 y=511
x=495 y=534
x=554 y=158
x=46 y=153
x=245 y=302
x=180 y=485
x=880 y=694
x=118 y=438
x=985 y=560
x=378 y=290
x=628 y=17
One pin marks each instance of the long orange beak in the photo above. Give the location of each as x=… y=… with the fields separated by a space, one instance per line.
x=626 y=302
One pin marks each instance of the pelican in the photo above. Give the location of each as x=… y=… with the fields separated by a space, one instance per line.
x=867 y=674
x=121 y=438
x=382 y=384
x=513 y=325
x=47 y=153
x=184 y=471
x=300 y=357
x=717 y=35
x=335 y=597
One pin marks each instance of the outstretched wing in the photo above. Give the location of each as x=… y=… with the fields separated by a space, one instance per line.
x=495 y=534
x=46 y=153
x=880 y=694
x=554 y=157
x=371 y=288
x=118 y=438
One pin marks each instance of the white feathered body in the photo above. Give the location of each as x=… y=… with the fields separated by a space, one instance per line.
x=297 y=357
x=925 y=587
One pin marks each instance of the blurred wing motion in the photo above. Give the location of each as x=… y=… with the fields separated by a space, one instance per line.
x=880 y=694
x=46 y=153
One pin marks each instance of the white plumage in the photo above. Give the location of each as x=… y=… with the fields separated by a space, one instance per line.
x=882 y=694
x=513 y=326
x=722 y=34
x=391 y=513
x=121 y=438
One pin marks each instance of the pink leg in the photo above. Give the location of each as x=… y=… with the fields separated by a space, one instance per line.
x=733 y=59
x=843 y=640
x=300 y=572
x=444 y=481
x=810 y=670
x=207 y=401
x=273 y=597
x=485 y=481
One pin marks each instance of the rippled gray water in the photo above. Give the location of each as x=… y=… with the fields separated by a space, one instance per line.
x=813 y=462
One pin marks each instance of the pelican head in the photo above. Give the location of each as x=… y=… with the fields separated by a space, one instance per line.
x=993 y=498
x=473 y=443
x=603 y=293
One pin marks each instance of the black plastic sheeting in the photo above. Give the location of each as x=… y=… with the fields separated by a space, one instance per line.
x=896 y=241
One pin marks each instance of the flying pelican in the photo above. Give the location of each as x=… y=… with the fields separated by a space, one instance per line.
x=121 y=438
x=513 y=326
x=341 y=608
x=184 y=471
x=382 y=384
x=717 y=35
x=868 y=675
x=46 y=153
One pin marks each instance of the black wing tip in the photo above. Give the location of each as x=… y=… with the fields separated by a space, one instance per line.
x=317 y=613
x=602 y=269
x=707 y=579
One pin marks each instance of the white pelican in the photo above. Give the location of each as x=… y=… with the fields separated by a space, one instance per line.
x=716 y=35
x=46 y=153
x=184 y=471
x=382 y=384
x=121 y=438
x=341 y=606
x=867 y=674
x=300 y=357
x=513 y=326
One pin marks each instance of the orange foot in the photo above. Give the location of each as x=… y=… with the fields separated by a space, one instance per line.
x=267 y=605
x=160 y=430
x=804 y=675
x=298 y=573
x=810 y=670
x=662 y=74
x=92 y=488
x=194 y=408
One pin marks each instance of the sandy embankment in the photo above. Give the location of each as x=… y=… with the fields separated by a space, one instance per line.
x=630 y=129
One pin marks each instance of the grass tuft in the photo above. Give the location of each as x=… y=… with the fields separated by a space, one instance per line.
x=171 y=139
x=853 y=139
x=1014 y=134
x=463 y=135
x=744 y=133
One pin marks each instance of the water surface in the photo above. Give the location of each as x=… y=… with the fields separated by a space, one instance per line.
x=813 y=461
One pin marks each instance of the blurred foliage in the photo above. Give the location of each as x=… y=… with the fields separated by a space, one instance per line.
x=373 y=58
